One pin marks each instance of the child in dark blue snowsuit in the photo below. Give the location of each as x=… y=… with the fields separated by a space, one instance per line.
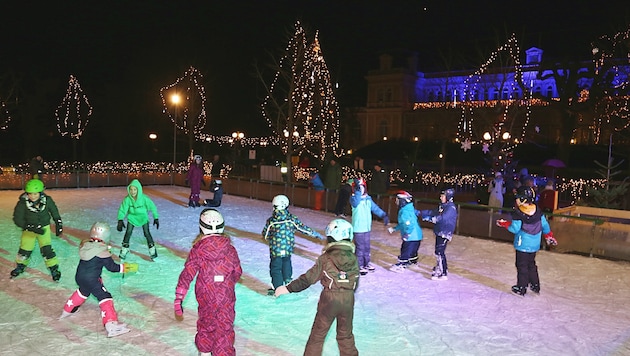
x=445 y=220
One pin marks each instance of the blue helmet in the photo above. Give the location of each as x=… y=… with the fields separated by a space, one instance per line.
x=449 y=193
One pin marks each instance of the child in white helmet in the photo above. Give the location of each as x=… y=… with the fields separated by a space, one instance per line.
x=279 y=232
x=94 y=255
x=215 y=263
x=337 y=270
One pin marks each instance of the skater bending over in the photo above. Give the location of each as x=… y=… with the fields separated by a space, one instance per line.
x=136 y=207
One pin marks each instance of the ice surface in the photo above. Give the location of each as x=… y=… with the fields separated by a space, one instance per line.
x=583 y=307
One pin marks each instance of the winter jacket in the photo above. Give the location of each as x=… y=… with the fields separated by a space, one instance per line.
x=195 y=177
x=36 y=213
x=279 y=231
x=527 y=228
x=362 y=209
x=444 y=218
x=316 y=182
x=94 y=256
x=215 y=262
x=337 y=269
x=137 y=210
x=332 y=176
x=408 y=224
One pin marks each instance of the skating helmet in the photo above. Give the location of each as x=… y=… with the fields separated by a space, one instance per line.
x=359 y=184
x=449 y=193
x=215 y=185
x=525 y=194
x=339 y=229
x=34 y=186
x=100 y=231
x=280 y=202
x=211 y=222
x=403 y=198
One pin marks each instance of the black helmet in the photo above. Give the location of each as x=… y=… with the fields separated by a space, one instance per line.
x=449 y=193
x=525 y=194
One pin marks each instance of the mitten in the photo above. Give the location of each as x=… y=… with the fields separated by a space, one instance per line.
x=281 y=290
x=386 y=220
x=503 y=223
x=390 y=230
x=130 y=267
x=120 y=226
x=35 y=228
x=156 y=222
x=180 y=293
x=550 y=239
x=426 y=218
x=58 y=227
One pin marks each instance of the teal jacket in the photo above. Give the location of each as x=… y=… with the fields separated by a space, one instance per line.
x=137 y=210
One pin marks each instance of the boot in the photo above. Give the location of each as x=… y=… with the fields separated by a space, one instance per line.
x=114 y=328
x=153 y=252
x=73 y=304
x=18 y=270
x=519 y=290
x=55 y=273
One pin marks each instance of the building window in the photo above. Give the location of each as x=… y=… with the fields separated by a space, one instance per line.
x=550 y=91
x=506 y=94
x=480 y=95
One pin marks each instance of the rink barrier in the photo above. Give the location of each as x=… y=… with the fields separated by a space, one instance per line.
x=582 y=230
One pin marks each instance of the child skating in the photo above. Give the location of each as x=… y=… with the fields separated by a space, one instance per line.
x=279 y=232
x=362 y=209
x=136 y=207
x=215 y=263
x=410 y=232
x=94 y=256
x=445 y=220
x=32 y=214
x=338 y=272
x=528 y=223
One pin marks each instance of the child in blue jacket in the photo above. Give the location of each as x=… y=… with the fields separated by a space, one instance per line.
x=410 y=232
x=445 y=220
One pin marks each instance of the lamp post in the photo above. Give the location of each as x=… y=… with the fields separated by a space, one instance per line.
x=237 y=136
x=175 y=100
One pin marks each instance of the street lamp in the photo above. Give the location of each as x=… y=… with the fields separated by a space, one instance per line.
x=175 y=100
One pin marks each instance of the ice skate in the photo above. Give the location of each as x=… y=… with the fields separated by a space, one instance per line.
x=398 y=268
x=191 y=203
x=519 y=290
x=55 y=273
x=18 y=270
x=123 y=253
x=114 y=329
x=65 y=314
x=370 y=267
x=153 y=252
x=440 y=277
x=535 y=288
x=363 y=270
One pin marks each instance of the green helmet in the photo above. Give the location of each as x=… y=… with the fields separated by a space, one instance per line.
x=34 y=186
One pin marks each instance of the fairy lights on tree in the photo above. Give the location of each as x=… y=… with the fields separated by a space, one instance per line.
x=74 y=111
x=189 y=114
x=500 y=129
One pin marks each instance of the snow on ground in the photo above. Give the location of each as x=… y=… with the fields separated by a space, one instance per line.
x=581 y=310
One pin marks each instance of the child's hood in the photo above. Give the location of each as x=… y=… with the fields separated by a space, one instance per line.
x=91 y=249
x=341 y=254
x=135 y=183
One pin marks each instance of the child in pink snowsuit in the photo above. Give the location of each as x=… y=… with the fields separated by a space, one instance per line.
x=194 y=178
x=215 y=262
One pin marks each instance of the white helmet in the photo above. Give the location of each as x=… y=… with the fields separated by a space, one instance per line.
x=339 y=229
x=100 y=231
x=280 y=202
x=211 y=222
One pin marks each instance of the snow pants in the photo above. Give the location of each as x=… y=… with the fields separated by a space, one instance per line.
x=215 y=326
x=409 y=252
x=145 y=231
x=362 y=243
x=441 y=266
x=333 y=304
x=27 y=245
x=281 y=270
x=526 y=269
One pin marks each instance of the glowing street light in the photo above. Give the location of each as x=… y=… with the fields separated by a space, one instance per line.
x=175 y=98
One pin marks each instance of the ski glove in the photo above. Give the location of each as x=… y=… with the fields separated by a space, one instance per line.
x=130 y=267
x=156 y=222
x=550 y=239
x=426 y=218
x=386 y=220
x=35 y=228
x=121 y=225
x=58 y=227
x=503 y=223
x=180 y=293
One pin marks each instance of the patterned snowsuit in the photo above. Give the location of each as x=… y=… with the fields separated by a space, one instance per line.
x=215 y=262
x=279 y=231
x=195 y=179
x=338 y=271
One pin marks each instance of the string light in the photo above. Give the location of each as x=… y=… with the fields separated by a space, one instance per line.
x=5 y=117
x=74 y=111
x=191 y=110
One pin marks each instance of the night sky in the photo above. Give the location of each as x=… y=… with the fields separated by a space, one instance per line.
x=123 y=52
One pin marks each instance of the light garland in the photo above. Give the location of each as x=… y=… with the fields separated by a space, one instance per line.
x=74 y=111
x=191 y=110
x=5 y=116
